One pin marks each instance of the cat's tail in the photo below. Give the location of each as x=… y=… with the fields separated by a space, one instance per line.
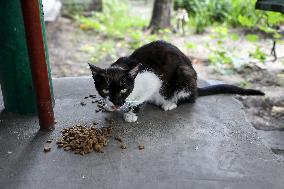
x=227 y=89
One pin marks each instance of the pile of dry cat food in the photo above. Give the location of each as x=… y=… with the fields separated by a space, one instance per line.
x=83 y=140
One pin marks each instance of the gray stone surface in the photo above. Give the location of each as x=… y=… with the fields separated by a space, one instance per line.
x=208 y=144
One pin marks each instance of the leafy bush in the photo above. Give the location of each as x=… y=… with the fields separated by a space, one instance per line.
x=117 y=23
x=118 y=28
x=259 y=55
x=242 y=13
x=252 y=38
x=114 y=21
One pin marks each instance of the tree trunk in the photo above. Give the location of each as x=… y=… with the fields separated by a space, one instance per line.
x=161 y=16
x=96 y=5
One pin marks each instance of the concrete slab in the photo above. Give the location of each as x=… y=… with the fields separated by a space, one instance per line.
x=205 y=145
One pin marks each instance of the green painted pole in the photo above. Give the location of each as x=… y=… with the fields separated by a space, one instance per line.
x=15 y=73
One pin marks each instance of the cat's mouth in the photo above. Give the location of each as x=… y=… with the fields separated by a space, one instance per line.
x=115 y=107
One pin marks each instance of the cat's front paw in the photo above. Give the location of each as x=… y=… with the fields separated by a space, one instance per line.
x=169 y=106
x=130 y=117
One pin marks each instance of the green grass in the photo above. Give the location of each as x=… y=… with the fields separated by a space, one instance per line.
x=98 y=52
x=116 y=25
x=252 y=38
x=236 y=13
x=114 y=21
x=220 y=15
x=245 y=84
x=259 y=55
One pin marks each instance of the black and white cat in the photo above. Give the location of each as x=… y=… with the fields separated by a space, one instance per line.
x=158 y=73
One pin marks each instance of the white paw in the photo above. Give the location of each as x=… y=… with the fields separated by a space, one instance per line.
x=108 y=108
x=169 y=106
x=130 y=117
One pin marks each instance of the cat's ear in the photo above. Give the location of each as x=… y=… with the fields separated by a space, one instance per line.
x=134 y=71
x=95 y=70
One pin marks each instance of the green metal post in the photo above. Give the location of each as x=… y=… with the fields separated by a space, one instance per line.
x=15 y=73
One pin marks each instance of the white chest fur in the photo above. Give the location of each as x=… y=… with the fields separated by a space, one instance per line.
x=147 y=86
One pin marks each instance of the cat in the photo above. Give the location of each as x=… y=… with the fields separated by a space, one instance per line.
x=157 y=73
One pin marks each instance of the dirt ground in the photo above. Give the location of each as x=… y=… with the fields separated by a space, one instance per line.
x=265 y=113
x=66 y=41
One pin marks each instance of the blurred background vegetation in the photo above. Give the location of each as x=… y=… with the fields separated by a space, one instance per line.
x=234 y=13
x=118 y=23
x=226 y=40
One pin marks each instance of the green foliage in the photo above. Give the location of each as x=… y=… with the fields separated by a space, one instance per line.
x=235 y=37
x=220 y=56
x=212 y=9
x=259 y=55
x=245 y=21
x=119 y=29
x=242 y=13
x=274 y=18
x=219 y=14
x=98 y=52
x=220 y=32
x=72 y=9
x=114 y=21
x=252 y=38
x=203 y=13
x=245 y=84
x=190 y=45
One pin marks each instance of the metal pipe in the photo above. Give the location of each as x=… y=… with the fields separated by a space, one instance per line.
x=34 y=36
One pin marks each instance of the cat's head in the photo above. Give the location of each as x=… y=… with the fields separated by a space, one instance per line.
x=114 y=84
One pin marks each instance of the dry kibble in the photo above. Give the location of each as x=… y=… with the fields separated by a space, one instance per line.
x=141 y=147
x=49 y=141
x=98 y=148
x=82 y=103
x=67 y=148
x=118 y=138
x=92 y=96
x=46 y=148
x=59 y=141
x=83 y=140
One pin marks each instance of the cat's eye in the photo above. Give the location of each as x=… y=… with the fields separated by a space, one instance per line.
x=123 y=91
x=105 y=91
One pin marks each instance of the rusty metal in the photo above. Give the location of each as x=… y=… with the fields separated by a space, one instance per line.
x=35 y=41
